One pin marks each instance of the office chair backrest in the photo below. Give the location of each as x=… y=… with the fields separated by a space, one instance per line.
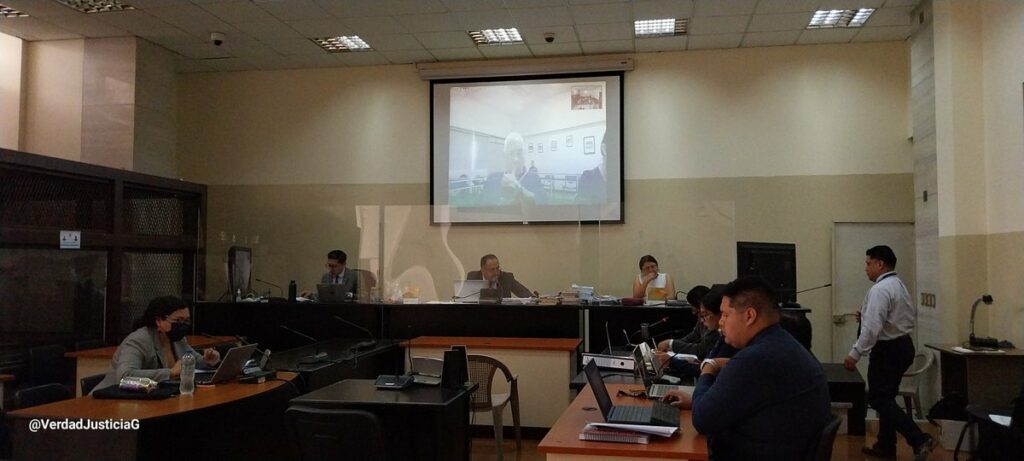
x=1017 y=423
x=798 y=326
x=481 y=372
x=47 y=365
x=39 y=395
x=89 y=383
x=318 y=434
x=821 y=449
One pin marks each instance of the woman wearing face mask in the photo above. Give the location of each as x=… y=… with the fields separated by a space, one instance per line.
x=155 y=348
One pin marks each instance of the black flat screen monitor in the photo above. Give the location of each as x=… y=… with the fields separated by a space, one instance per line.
x=774 y=262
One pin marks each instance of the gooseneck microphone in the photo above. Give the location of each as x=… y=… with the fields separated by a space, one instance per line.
x=271 y=284
x=646 y=327
x=317 y=356
x=363 y=345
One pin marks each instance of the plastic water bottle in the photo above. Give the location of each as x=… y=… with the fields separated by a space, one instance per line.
x=188 y=374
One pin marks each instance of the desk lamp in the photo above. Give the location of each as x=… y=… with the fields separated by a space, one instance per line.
x=982 y=341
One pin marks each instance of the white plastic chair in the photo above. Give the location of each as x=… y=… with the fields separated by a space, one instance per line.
x=911 y=384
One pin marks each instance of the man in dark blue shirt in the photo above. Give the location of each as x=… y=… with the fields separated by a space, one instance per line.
x=770 y=401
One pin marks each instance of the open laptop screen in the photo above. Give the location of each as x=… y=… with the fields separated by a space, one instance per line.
x=604 y=401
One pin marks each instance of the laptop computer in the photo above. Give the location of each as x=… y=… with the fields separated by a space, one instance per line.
x=649 y=372
x=661 y=414
x=469 y=290
x=230 y=366
x=329 y=293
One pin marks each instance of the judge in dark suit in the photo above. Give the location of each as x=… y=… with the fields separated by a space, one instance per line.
x=490 y=270
x=338 y=273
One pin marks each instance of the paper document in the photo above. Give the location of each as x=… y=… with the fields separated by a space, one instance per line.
x=653 y=430
x=687 y=357
x=964 y=350
x=1000 y=419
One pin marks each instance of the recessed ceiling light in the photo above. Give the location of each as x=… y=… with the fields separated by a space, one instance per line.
x=97 y=6
x=342 y=44
x=644 y=28
x=508 y=36
x=8 y=12
x=824 y=19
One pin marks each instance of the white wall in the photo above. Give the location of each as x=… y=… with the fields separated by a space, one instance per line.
x=53 y=98
x=10 y=91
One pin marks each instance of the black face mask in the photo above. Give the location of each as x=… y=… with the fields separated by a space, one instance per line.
x=178 y=331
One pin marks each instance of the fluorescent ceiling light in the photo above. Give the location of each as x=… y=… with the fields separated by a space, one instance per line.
x=644 y=28
x=97 y=6
x=342 y=44
x=8 y=12
x=825 y=19
x=508 y=36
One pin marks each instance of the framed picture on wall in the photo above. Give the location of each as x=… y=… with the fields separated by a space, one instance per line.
x=568 y=141
x=554 y=145
x=540 y=148
x=588 y=145
x=529 y=148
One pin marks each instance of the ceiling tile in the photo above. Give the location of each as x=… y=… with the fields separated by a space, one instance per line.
x=777 y=22
x=281 y=62
x=40 y=9
x=267 y=30
x=294 y=10
x=540 y=17
x=706 y=42
x=717 y=25
x=563 y=34
x=432 y=40
x=612 y=46
x=605 y=32
x=147 y=4
x=168 y=35
x=33 y=29
x=399 y=7
x=293 y=46
x=786 y=6
x=321 y=28
x=228 y=64
x=374 y=24
x=534 y=3
x=591 y=2
x=202 y=51
x=363 y=58
x=473 y=5
x=506 y=51
x=86 y=26
x=849 y=4
x=898 y=3
x=429 y=22
x=661 y=43
x=787 y=37
x=654 y=9
x=184 y=15
x=882 y=34
x=355 y=9
x=890 y=17
x=602 y=13
x=322 y=60
x=235 y=12
x=190 y=66
x=556 y=49
x=408 y=56
x=815 y=36
x=724 y=7
x=393 y=42
x=133 y=21
x=488 y=19
x=249 y=49
x=457 y=54
x=202 y=32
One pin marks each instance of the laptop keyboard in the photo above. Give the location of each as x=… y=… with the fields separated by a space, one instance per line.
x=663 y=414
x=632 y=414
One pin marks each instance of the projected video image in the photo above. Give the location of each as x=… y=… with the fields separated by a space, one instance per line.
x=529 y=143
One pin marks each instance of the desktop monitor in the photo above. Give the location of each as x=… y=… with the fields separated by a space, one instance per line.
x=240 y=270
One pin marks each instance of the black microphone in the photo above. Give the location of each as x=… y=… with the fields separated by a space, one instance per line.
x=360 y=346
x=659 y=322
x=317 y=356
x=815 y=288
x=271 y=284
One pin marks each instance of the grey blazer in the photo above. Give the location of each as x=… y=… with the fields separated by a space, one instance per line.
x=349 y=280
x=139 y=356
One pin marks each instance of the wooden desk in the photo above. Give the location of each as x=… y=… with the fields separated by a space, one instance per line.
x=95 y=361
x=420 y=422
x=544 y=366
x=194 y=423
x=990 y=379
x=562 y=442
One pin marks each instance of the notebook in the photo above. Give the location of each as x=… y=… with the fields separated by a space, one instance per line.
x=661 y=414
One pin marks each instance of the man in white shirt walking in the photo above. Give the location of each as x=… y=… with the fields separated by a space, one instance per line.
x=887 y=319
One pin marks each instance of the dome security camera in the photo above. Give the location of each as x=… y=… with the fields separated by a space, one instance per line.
x=217 y=38
x=549 y=37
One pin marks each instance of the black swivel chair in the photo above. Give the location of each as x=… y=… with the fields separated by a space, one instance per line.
x=39 y=395
x=47 y=365
x=821 y=449
x=89 y=383
x=319 y=434
x=995 y=441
